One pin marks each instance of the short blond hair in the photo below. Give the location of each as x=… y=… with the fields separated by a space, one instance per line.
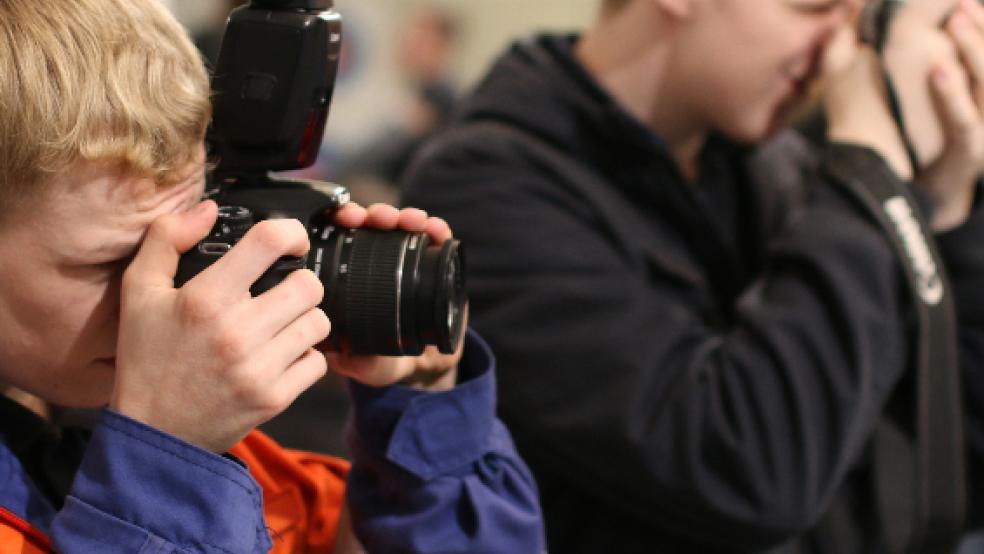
x=82 y=80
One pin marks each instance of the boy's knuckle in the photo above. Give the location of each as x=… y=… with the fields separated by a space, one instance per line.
x=320 y=363
x=310 y=286
x=320 y=324
x=197 y=307
x=269 y=235
x=245 y=385
x=938 y=48
x=308 y=330
x=163 y=229
x=229 y=344
x=270 y=401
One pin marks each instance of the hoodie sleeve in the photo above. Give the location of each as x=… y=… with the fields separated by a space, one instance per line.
x=962 y=249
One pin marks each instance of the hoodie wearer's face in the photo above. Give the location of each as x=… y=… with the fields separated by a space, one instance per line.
x=745 y=65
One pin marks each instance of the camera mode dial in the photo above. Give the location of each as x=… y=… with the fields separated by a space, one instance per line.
x=230 y=226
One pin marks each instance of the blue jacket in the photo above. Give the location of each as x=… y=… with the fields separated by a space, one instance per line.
x=432 y=472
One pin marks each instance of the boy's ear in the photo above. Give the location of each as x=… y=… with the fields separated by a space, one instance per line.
x=678 y=9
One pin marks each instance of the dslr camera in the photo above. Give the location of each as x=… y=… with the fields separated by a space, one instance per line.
x=386 y=292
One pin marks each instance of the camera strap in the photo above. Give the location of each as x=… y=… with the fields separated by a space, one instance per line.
x=919 y=465
x=876 y=18
x=895 y=106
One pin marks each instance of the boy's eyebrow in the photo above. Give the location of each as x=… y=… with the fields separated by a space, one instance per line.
x=818 y=5
x=116 y=250
x=105 y=250
x=102 y=254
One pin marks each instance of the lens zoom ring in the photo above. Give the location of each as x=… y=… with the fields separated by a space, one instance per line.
x=372 y=302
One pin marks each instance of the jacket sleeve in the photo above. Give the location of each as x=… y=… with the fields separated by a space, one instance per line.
x=613 y=375
x=141 y=491
x=437 y=472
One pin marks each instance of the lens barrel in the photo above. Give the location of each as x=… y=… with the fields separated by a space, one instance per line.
x=390 y=292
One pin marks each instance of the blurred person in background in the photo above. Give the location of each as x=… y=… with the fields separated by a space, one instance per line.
x=696 y=335
x=104 y=106
x=425 y=53
x=207 y=33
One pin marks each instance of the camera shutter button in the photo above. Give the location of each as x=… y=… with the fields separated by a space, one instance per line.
x=233 y=222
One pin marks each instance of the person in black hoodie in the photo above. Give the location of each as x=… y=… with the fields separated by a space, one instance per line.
x=695 y=346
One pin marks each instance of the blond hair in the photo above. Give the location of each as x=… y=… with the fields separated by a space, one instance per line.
x=114 y=80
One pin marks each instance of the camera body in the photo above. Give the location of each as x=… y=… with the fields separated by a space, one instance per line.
x=874 y=21
x=387 y=292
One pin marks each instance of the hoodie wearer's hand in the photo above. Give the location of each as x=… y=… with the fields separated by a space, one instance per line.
x=934 y=55
x=431 y=370
x=855 y=102
x=956 y=80
x=915 y=43
x=208 y=362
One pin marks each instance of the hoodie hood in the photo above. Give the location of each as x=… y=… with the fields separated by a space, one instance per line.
x=538 y=84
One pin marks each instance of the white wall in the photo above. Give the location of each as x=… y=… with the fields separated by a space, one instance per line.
x=370 y=94
x=488 y=24
x=365 y=101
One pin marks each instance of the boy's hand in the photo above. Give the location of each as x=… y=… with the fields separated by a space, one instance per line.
x=431 y=370
x=207 y=362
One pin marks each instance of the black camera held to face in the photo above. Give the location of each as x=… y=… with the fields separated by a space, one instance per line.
x=874 y=26
x=386 y=292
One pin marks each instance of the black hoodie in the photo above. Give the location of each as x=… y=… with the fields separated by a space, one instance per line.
x=687 y=367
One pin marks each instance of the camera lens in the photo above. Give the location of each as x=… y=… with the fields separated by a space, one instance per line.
x=389 y=292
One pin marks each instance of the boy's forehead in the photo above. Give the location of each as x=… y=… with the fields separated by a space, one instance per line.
x=101 y=212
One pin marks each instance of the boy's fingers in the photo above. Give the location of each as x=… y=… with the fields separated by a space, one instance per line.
x=293 y=342
x=382 y=216
x=438 y=229
x=167 y=238
x=263 y=244
x=412 y=219
x=300 y=376
x=351 y=215
x=841 y=51
x=970 y=42
x=387 y=218
x=974 y=10
x=960 y=116
x=931 y=11
x=278 y=307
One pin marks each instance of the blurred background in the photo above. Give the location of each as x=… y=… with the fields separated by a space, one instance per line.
x=404 y=64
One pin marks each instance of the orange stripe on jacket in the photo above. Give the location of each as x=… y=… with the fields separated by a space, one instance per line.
x=303 y=493
x=18 y=537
